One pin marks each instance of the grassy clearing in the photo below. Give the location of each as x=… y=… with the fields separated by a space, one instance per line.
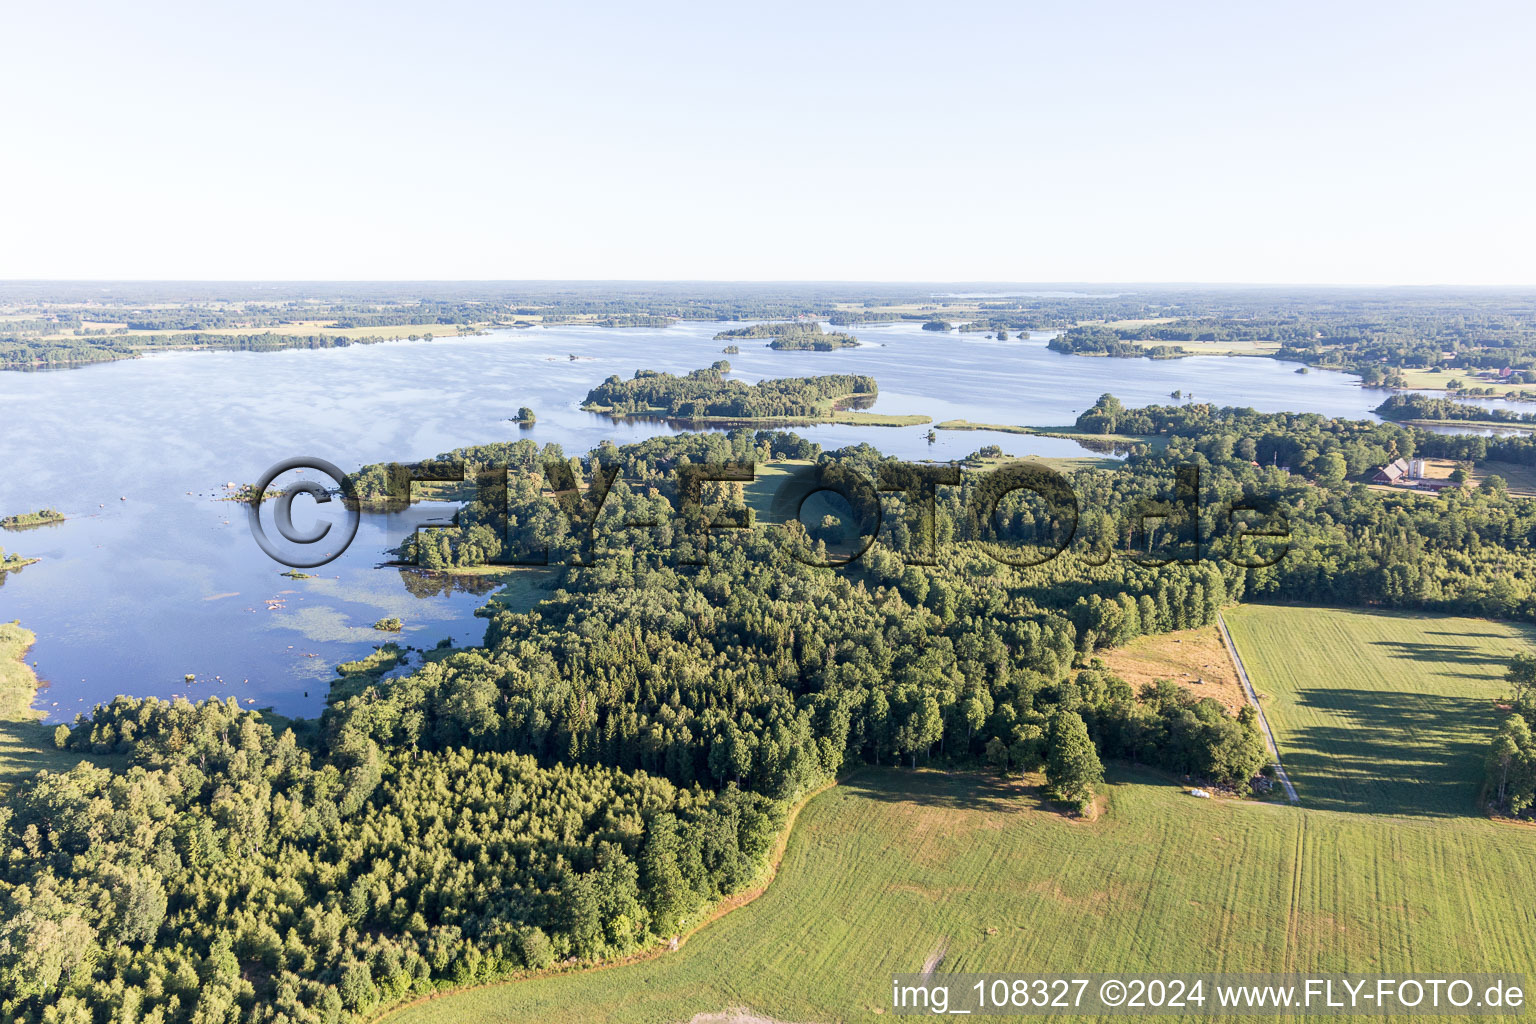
x=877 y=419
x=1220 y=348
x=1064 y=464
x=968 y=425
x=1069 y=433
x=768 y=480
x=1514 y=428
x=1196 y=659
x=1379 y=712
x=525 y=587
x=1436 y=380
x=353 y=677
x=1135 y=322
x=892 y=865
x=1520 y=479
x=26 y=744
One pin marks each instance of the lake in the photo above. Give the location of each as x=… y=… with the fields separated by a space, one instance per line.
x=155 y=577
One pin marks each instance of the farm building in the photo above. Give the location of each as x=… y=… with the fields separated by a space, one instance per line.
x=1426 y=474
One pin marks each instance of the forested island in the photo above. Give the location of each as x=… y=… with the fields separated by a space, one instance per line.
x=1099 y=341
x=706 y=396
x=1418 y=338
x=794 y=337
x=9 y=561
x=23 y=520
x=551 y=795
x=1424 y=409
x=813 y=341
x=22 y=353
x=772 y=330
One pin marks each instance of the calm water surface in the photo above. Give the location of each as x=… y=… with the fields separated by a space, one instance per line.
x=154 y=578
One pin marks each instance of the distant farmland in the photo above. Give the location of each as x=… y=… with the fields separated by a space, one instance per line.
x=1377 y=712
x=1386 y=866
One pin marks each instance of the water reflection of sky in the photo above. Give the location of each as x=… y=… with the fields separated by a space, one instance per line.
x=154 y=578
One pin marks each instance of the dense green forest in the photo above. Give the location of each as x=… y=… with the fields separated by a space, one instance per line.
x=622 y=752
x=813 y=341
x=1423 y=407
x=22 y=353
x=794 y=336
x=1510 y=782
x=1102 y=341
x=770 y=330
x=1373 y=338
x=707 y=394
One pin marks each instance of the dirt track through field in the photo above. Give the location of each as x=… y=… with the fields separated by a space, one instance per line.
x=1253 y=696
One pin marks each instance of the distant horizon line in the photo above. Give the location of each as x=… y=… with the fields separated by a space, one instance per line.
x=891 y=282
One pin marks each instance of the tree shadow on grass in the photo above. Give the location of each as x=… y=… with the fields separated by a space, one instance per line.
x=968 y=789
x=1446 y=653
x=27 y=748
x=1390 y=753
x=956 y=790
x=1468 y=634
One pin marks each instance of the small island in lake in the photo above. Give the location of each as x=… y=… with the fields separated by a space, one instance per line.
x=795 y=336
x=706 y=396
x=24 y=520
x=525 y=417
x=12 y=561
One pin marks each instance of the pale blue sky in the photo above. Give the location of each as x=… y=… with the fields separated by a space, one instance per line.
x=1002 y=141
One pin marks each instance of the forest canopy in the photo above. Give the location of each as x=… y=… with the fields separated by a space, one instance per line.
x=708 y=394
x=622 y=752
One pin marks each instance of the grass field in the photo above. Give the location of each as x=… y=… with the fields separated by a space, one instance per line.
x=26 y=745
x=1386 y=867
x=890 y=867
x=855 y=418
x=1521 y=480
x=1061 y=464
x=1377 y=712
x=1145 y=321
x=767 y=480
x=1220 y=348
x=1069 y=433
x=1196 y=659
x=1436 y=380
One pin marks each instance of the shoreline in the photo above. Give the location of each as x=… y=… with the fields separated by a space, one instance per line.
x=25 y=743
x=846 y=417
